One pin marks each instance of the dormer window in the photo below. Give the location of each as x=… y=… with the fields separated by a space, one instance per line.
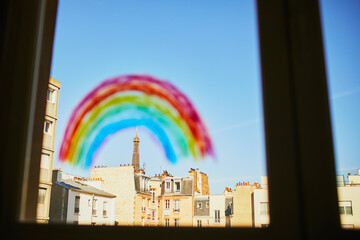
x=177 y=186
x=167 y=186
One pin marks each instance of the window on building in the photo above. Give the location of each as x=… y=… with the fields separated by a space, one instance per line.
x=148 y=203
x=50 y=95
x=264 y=208
x=152 y=215
x=167 y=204
x=47 y=127
x=345 y=208
x=177 y=186
x=199 y=205
x=142 y=221
x=217 y=216
x=41 y=197
x=94 y=207
x=207 y=204
x=176 y=205
x=199 y=223
x=167 y=222
x=176 y=222
x=104 y=209
x=167 y=186
x=152 y=195
x=77 y=204
x=143 y=208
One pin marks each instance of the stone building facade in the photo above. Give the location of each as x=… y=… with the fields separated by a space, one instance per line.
x=47 y=151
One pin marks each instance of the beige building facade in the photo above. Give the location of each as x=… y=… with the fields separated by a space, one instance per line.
x=47 y=151
x=349 y=201
x=243 y=205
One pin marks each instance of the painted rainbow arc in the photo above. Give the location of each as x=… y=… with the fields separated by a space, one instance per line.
x=135 y=100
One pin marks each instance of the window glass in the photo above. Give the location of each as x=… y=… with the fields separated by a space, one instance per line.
x=160 y=99
x=341 y=34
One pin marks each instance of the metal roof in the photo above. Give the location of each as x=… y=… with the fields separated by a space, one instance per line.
x=82 y=187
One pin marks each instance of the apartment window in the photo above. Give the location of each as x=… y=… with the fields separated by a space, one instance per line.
x=176 y=206
x=176 y=222
x=143 y=205
x=199 y=223
x=167 y=204
x=94 y=207
x=77 y=204
x=41 y=197
x=152 y=195
x=167 y=222
x=152 y=215
x=142 y=221
x=345 y=208
x=199 y=205
x=264 y=208
x=47 y=127
x=167 y=186
x=177 y=186
x=207 y=204
x=217 y=216
x=104 y=209
x=50 y=95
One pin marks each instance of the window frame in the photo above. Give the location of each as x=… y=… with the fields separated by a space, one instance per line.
x=296 y=118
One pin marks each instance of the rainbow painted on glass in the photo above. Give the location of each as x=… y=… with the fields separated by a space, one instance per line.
x=129 y=101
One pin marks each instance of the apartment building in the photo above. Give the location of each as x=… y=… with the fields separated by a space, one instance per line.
x=213 y=210
x=261 y=205
x=349 y=200
x=77 y=201
x=47 y=151
x=243 y=204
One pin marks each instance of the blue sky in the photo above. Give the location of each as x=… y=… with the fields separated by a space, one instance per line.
x=341 y=34
x=209 y=50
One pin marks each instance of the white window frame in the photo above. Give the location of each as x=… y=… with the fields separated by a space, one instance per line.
x=167 y=185
x=167 y=222
x=345 y=205
x=167 y=204
x=265 y=211
x=176 y=205
x=175 y=183
x=152 y=191
x=51 y=97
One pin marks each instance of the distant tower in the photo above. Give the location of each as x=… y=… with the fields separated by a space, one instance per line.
x=136 y=159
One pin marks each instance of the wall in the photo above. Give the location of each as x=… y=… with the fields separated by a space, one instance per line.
x=85 y=217
x=260 y=195
x=350 y=193
x=47 y=152
x=243 y=206
x=119 y=181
